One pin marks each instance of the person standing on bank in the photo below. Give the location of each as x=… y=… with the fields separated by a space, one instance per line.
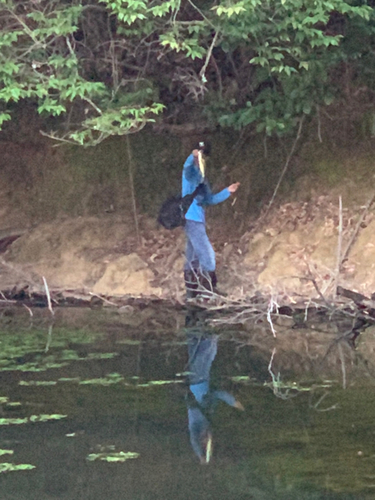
x=200 y=263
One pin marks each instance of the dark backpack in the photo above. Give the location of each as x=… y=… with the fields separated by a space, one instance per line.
x=172 y=212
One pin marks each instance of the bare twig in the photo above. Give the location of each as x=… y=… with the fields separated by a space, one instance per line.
x=131 y=181
x=277 y=385
x=202 y=72
x=26 y=29
x=339 y=250
x=272 y=303
x=48 y=296
x=343 y=369
x=28 y=308
x=343 y=255
x=319 y=124
x=313 y=281
x=316 y=405
x=103 y=299
x=348 y=247
x=289 y=157
x=201 y=13
x=60 y=139
x=49 y=339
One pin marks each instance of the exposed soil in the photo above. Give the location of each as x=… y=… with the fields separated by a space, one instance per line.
x=66 y=216
x=299 y=250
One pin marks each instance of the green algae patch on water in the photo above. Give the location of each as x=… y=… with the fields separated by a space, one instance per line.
x=46 y=418
x=15 y=345
x=108 y=453
x=13 y=421
x=112 y=456
x=6 y=452
x=8 y=467
x=152 y=383
x=32 y=419
x=110 y=379
x=29 y=383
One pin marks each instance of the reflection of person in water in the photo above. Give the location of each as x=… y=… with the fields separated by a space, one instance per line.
x=201 y=399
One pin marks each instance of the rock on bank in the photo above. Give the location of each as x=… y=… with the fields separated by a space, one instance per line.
x=86 y=253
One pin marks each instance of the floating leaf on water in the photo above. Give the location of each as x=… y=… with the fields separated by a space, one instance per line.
x=106 y=447
x=3 y=399
x=278 y=384
x=111 y=378
x=27 y=367
x=69 y=379
x=173 y=343
x=71 y=435
x=68 y=354
x=37 y=382
x=129 y=342
x=46 y=418
x=55 y=365
x=95 y=381
x=32 y=367
x=120 y=456
x=7 y=467
x=13 y=421
x=33 y=418
x=165 y=382
x=159 y=382
x=13 y=404
x=240 y=378
x=102 y=355
x=6 y=452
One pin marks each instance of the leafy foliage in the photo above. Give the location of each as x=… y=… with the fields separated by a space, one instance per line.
x=112 y=66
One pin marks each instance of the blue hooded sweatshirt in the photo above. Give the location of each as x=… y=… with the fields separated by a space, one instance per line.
x=191 y=178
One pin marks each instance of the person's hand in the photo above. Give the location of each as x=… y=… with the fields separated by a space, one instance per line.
x=233 y=187
x=239 y=406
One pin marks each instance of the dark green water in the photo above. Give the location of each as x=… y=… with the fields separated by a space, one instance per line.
x=99 y=382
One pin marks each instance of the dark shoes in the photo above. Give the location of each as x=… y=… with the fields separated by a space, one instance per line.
x=201 y=284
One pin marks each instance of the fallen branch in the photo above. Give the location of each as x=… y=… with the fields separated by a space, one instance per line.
x=103 y=299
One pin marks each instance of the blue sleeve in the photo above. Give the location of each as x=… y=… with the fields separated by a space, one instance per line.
x=214 y=199
x=191 y=170
x=226 y=397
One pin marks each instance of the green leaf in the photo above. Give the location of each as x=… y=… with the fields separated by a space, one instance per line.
x=3 y=118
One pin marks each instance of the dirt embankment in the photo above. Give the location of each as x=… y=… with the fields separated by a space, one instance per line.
x=65 y=215
x=299 y=248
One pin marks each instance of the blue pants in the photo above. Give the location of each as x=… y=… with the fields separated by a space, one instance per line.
x=202 y=351
x=199 y=252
